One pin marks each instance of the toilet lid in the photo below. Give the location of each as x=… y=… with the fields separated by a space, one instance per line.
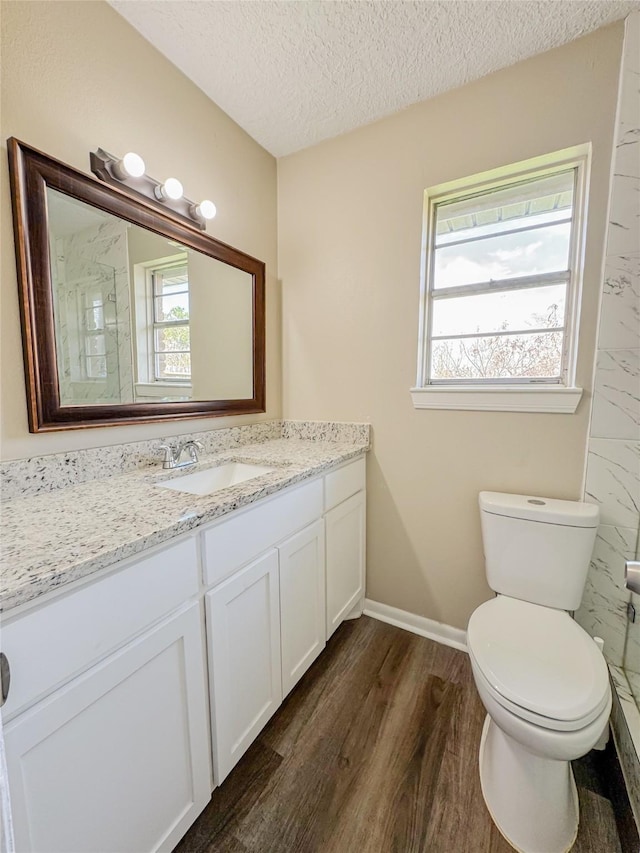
x=538 y=658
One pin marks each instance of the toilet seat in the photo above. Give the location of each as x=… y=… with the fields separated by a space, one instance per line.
x=538 y=663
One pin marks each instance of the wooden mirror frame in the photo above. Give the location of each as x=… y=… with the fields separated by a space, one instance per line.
x=31 y=173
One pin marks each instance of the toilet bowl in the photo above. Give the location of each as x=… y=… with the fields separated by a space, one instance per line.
x=542 y=680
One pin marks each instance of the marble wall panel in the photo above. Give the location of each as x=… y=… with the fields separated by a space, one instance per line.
x=616 y=397
x=624 y=217
x=613 y=480
x=620 y=313
x=97 y=257
x=613 y=459
x=603 y=612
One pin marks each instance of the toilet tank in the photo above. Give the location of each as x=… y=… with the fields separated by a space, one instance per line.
x=537 y=549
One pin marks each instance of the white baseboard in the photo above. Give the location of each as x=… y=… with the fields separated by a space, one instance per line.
x=438 y=631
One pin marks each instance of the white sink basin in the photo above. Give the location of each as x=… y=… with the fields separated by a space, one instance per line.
x=213 y=479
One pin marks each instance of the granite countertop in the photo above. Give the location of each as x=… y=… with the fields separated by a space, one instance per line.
x=51 y=539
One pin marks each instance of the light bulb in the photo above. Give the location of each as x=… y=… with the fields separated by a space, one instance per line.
x=131 y=166
x=206 y=209
x=172 y=188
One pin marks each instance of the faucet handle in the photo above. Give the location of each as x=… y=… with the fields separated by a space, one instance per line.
x=169 y=454
x=194 y=446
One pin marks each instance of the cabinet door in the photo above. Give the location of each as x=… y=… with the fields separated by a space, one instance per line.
x=243 y=621
x=302 y=602
x=345 y=544
x=117 y=759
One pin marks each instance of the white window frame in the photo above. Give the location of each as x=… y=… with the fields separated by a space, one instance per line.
x=147 y=384
x=163 y=324
x=526 y=394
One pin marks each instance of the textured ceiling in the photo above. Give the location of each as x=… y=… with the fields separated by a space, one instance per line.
x=293 y=73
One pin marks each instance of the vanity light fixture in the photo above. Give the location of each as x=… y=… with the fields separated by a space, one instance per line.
x=206 y=209
x=171 y=189
x=131 y=166
x=129 y=172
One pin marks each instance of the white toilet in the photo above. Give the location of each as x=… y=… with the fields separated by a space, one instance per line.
x=542 y=679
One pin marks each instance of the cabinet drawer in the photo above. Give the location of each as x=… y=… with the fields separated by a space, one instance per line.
x=48 y=646
x=234 y=542
x=341 y=484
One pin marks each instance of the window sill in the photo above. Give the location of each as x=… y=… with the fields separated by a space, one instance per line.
x=162 y=389
x=498 y=398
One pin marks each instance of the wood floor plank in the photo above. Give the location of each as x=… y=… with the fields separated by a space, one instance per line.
x=459 y=820
x=342 y=674
x=393 y=813
x=225 y=842
x=330 y=752
x=231 y=801
x=597 y=830
x=375 y=751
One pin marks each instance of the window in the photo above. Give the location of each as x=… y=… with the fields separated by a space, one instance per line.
x=93 y=334
x=162 y=316
x=501 y=282
x=170 y=346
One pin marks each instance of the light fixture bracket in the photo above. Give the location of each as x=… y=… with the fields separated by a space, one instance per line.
x=103 y=165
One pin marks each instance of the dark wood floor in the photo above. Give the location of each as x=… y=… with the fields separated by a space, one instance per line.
x=375 y=751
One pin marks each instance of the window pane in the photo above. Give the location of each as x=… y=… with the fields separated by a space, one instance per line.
x=173 y=365
x=525 y=203
x=171 y=307
x=173 y=339
x=533 y=308
x=498 y=357
x=170 y=280
x=526 y=253
x=95 y=345
x=96 y=367
x=94 y=318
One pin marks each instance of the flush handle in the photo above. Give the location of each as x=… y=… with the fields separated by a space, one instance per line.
x=5 y=678
x=632 y=575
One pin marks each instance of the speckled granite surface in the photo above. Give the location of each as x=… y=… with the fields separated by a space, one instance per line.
x=39 y=474
x=59 y=470
x=55 y=537
x=326 y=431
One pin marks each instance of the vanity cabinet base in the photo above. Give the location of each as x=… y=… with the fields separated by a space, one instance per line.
x=243 y=640
x=118 y=758
x=345 y=557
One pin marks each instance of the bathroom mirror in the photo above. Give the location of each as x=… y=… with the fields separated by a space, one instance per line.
x=127 y=313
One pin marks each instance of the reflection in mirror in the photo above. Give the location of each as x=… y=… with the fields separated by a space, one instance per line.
x=140 y=318
x=632 y=644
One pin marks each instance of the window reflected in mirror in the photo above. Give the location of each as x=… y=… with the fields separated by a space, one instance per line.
x=140 y=318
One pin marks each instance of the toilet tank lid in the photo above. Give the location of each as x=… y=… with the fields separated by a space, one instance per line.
x=546 y=510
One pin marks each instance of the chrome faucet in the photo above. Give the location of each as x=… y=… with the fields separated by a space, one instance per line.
x=172 y=455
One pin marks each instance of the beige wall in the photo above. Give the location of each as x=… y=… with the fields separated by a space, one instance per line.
x=76 y=76
x=349 y=234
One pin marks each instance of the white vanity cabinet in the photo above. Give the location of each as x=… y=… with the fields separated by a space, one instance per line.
x=270 y=550
x=114 y=734
x=116 y=758
x=302 y=602
x=284 y=574
x=243 y=639
x=345 y=541
x=265 y=627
